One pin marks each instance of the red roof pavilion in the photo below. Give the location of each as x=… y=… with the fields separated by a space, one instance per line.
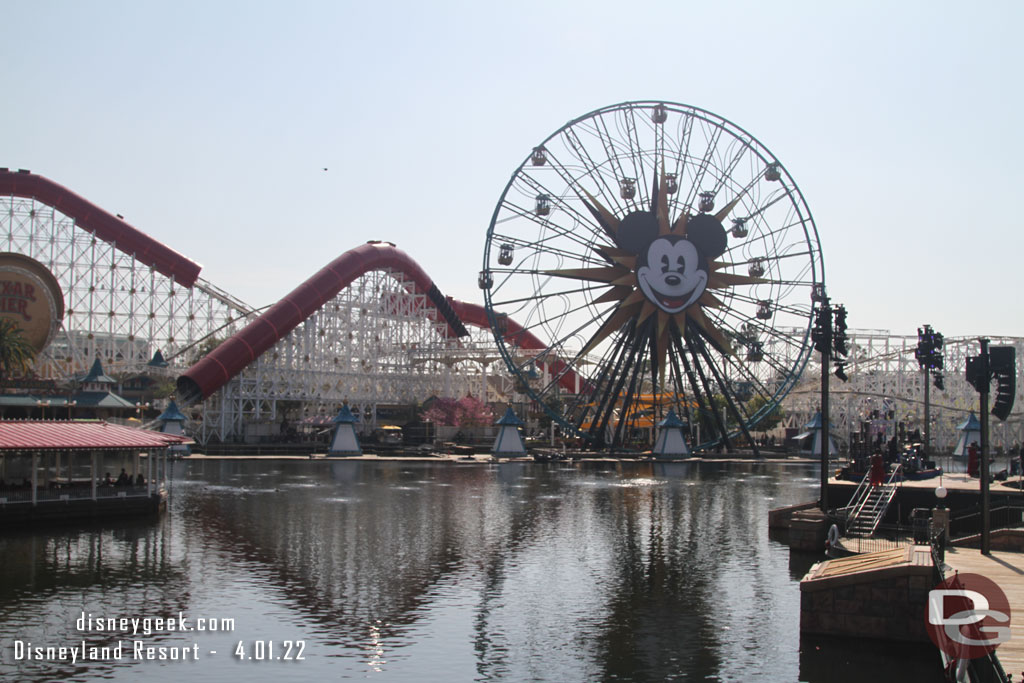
x=58 y=435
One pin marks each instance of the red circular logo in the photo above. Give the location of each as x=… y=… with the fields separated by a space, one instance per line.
x=968 y=616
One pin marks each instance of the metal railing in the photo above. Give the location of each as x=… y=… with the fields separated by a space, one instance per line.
x=985 y=669
x=24 y=496
x=968 y=521
x=872 y=510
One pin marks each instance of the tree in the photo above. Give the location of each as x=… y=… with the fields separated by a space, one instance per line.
x=16 y=353
x=441 y=412
x=202 y=348
x=771 y=419
x=472 y=412
x=464 y=412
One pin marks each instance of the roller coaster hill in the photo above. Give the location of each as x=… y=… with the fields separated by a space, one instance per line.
x=370 y=329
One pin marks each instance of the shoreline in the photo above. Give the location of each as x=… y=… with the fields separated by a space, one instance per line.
x=484 y=458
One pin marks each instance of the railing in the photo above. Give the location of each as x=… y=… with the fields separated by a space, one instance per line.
x=889 y=540
x=878 y=506
x=21 y=495
x=968 y=522
x=985 y=669
x=855 y=499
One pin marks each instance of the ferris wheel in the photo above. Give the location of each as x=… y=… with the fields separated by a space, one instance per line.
x=652 y=256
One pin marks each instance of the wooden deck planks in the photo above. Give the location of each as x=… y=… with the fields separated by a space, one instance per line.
x=1007 y=571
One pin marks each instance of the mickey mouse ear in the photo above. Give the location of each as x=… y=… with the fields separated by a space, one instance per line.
x=707 y=234
x=636 y=231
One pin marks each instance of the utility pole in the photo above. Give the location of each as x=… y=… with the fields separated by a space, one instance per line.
x=825 y=316
x=929 y=358
x=986 y=525
x=1000 y=363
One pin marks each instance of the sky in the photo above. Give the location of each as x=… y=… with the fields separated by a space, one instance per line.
x=208 y=126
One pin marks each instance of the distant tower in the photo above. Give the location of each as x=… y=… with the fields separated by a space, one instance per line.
x=671 y=443
x=158 y=360
x=96 y=379
x=172 y=421
x=509 y=442
x=345 y=441
x=970 y=430
x=815 y=444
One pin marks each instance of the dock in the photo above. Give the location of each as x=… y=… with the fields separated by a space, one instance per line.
x=959 y=482
x=1006 y=569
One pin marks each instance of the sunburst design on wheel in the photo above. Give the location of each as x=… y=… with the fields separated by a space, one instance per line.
x=617 y=293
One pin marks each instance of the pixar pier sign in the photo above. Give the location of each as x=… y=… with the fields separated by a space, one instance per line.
x=30 y=296
x=15 y=298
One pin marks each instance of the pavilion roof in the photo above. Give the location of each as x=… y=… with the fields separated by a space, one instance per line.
x=71 y=435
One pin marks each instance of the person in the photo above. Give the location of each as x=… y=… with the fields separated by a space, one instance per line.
x=973 y=460
x=877 y=468
x=107 y=481
x=123 y=479
x=140 y=480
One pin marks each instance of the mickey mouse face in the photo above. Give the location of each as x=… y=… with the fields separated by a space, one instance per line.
x=672 y=270
x=672 y=278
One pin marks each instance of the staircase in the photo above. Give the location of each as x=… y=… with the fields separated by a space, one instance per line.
x=869 y=504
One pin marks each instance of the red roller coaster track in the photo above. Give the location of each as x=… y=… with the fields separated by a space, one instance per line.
x=244 y=347
x=231 y=357
x=107 y=227
x=238 y=351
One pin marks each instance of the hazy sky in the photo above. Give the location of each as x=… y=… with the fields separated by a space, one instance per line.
x=207 y=125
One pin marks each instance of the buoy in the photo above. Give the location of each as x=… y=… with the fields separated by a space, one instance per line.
x=833 y=536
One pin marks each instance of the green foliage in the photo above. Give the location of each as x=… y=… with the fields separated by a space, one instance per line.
x=771 y=420
x=289 y=408
x=163 y=389
x=200 y=350
x=553 y=403
x=16 y=353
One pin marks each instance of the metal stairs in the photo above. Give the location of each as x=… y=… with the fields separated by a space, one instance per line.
x=869 y=504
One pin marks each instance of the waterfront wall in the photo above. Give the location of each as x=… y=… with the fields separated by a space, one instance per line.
x=81 y=509
x=888 y=603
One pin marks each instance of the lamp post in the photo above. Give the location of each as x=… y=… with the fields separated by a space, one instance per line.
x=929 y=359
x=940 y=518
x=822 y=337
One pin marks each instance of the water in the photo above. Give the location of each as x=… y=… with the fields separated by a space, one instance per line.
x=418 y=571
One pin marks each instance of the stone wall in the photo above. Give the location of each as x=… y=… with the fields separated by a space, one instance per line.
x=780 y=518
x=808 y=530
x=889 y=603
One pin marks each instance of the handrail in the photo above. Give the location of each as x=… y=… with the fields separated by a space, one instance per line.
x=857 y=492
x=889 y=488
x=878 y=506
x=984 y=668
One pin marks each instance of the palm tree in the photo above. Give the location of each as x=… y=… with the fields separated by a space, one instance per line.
x=16 y=353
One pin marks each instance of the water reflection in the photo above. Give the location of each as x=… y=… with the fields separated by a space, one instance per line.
x=646 y=571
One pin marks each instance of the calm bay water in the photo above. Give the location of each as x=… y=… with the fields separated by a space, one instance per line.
x=456 y=572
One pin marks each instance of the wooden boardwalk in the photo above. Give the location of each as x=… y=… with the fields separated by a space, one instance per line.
x=1007 y=571
x=954 y=481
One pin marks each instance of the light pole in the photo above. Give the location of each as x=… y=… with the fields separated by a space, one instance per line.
x=929 y=359
x=831 y=341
